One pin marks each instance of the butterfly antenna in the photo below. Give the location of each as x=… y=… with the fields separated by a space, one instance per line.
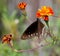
x=56 y=16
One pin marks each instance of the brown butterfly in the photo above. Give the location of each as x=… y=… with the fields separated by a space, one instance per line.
x=35 y=29
x=6 y=38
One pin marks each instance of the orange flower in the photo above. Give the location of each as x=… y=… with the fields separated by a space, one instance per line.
x=6 y=38
x=22 y=5
x=38 y=14
x=44 y=11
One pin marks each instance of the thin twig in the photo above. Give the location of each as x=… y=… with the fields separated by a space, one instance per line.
x=30 y=49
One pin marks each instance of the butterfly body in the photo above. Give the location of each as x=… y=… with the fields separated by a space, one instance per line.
x=33 y=30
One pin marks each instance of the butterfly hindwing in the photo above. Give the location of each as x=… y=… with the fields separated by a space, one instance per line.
x=32 y=30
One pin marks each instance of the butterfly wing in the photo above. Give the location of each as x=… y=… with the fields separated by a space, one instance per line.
x=32 y=30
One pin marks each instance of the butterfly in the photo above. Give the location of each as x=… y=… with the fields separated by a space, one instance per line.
x=35 y=29
x=21 y=5
x=6 y=38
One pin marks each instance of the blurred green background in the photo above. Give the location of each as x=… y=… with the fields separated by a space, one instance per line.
x=13 y=21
